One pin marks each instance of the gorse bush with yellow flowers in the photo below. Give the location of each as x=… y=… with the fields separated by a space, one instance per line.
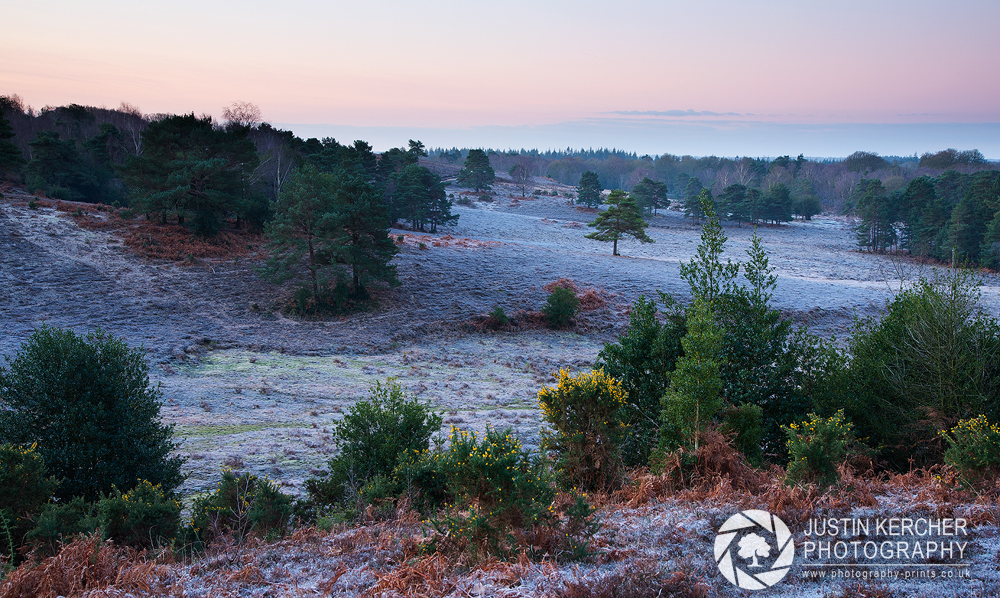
x=816 y=447
x=145 y=516
x=585 y=410
x=495 y=488
x=973 y=446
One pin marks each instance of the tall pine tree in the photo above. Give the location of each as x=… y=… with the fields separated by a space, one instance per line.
x=622 y=218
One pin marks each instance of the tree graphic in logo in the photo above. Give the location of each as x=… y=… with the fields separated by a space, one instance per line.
x=753 y=546
x=757 y=531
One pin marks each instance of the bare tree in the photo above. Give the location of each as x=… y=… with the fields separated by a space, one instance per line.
x=242 y=114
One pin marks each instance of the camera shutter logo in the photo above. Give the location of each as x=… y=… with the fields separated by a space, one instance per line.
x=739 y=560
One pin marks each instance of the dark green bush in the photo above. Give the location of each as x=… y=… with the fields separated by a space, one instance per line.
x=144 y=517
x=642 y=360
x=498 y=317
x=932 y=360
x=60 y=521
x=239 y=506
x=24 y=487
x=560 y=307
x=746 y=425
x=371 y=438
x=88 y=403
x=974 y=448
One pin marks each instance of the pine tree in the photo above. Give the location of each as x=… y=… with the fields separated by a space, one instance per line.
x=620 y=219
x=10 y=156
x=366 y=246
x=477 y=173
x=707 y=276
x=588 y=192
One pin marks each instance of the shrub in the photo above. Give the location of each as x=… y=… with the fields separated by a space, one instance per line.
x=560 y=307
x=816 y=447
x=24 y=486
x=61 y=521
x=497 y=488
x=371 y=437
x=642 y=360
x=746 y=425
x=585 y=411
x=143 y=517
x=973 y=447
x=239 y=506
x=930 y=361
x=88 y=404
x=498 y=318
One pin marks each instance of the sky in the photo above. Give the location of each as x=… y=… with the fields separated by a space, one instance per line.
x=760 y=78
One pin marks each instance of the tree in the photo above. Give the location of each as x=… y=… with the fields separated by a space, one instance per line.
x=620 y=219
x=88 y=403
x=477 y=173
x=57 y=169
x=418 y=195
x=693 y=207
x=933 y=359
x=650 y=195
x=707 y=276
x=304 y=224
x=876 y=231
x=360 y=216
x=188 y=166
x=642 y=360
x=521 y=174
x=588 y=192
x=695 y=393
x=10 y=157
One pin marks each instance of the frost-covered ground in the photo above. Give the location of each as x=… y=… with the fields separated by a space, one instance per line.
x=253 y=389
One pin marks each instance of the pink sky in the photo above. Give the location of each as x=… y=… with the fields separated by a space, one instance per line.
x=467 y=64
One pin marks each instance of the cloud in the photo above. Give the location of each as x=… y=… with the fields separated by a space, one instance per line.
x=688 y=112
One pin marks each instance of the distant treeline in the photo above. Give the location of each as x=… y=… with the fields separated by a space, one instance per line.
x=833 y=181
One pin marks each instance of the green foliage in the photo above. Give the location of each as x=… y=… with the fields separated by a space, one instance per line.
x=695 y=393
x=560 y=307
x=239 y=506
x=329 y=220
x=417 y=194
x=707 y=276
x=57 y=169
x=642 y=360
x=24 y=487
x=931 y=360
x=588 y=192
x=477 y=173
x=10 y=157
x=88 y=404
x=746 y=424
x=974 y=447
x=621 y=219
x=60 y=521
x=816 y=447
x=581 y=524
x=498 y=318
x=878 y=212
x=497 y=487
x=372 y=437
x=650 y=195
x=144 y=517
x=585 y=411
x=189 y=167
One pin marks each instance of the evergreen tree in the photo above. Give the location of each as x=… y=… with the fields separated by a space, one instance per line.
x=588 y=192
x=877 y=231
x=88 y=403
x=365 y=245
x=620 y=219
x=692 y=199
x=650 y=195
x=477 y=173
x=707 y=276
x=695 y=393
x=10 y=157
x=57 y=169
x=190 y=167
x=418 y=195
x=304 y=225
